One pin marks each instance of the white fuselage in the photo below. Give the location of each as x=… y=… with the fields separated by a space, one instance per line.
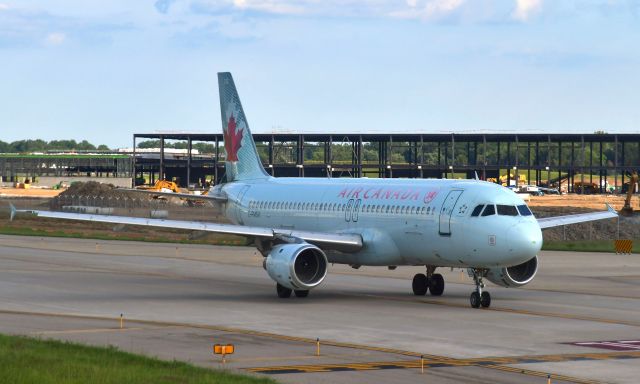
x=401 y=221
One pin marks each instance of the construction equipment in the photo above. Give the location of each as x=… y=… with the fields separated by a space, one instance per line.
x=502 y=180
x=165 y=186
x=627 y=209
x=586 y=188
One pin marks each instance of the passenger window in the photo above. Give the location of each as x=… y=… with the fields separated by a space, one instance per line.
x=413 y=210
x=477 y=209
x=489 y=210
x=524 y=210
x=507 y=210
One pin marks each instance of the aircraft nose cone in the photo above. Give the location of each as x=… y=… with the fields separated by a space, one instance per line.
x=524 y=240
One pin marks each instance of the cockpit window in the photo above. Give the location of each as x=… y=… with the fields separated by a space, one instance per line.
x=477 y=209
x=524 y=210
x=489 y=210
x=507 y=210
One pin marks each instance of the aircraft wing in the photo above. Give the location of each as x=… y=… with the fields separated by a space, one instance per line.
x=326 y=240
x=556 y=221
x=207 y=197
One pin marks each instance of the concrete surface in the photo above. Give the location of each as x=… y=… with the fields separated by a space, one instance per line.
x=188 y=297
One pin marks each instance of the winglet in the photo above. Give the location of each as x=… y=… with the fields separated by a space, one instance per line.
x=610 y=209
x=13 y=209
x=476 y=173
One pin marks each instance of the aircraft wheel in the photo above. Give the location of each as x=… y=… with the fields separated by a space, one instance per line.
x=283 y=292
x=475 y=299
x=302 y=293
x=436 y=284
x=420 y=284
x=485 y=299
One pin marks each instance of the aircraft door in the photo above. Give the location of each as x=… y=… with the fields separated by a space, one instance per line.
x=447 y=210
x=239 y=204
x=355 y=211
x=347 y=210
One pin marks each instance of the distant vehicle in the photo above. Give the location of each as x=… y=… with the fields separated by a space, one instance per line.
x=533 y=190
x=301 y=225
x=549 y=191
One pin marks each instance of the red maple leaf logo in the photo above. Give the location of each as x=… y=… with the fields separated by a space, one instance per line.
x=232 y=140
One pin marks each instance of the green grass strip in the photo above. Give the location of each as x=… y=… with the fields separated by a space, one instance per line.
x=29 y=360
x=21 y=231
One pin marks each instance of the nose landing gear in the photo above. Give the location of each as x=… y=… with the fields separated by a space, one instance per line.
x=432 y=282
x=480 y=297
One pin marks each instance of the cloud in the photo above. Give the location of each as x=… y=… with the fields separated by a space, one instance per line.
x=162 y=6
x=433 y=9
x=55 y=38
x=526 y=8
x=4 y=7
x=442 y=6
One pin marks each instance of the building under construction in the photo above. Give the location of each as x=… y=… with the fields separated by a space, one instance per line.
x=582 y=163
x=594 y=162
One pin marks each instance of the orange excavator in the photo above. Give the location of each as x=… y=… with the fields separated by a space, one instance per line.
x=627 y=210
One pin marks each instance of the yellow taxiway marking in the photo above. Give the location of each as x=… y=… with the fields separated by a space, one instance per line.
x=553 y=377
x=497 y=363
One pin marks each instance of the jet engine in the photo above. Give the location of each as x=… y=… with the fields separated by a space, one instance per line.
x=515 y=276
x=299 y=266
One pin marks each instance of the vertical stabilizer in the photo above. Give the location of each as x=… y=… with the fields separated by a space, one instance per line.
x=242 y=161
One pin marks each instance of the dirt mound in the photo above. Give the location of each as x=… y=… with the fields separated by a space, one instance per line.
x=92 y=192
x=89 y=188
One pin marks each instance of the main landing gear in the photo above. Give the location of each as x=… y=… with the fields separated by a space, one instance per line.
x=284 y=292
x=480 y=297
x=432 y=282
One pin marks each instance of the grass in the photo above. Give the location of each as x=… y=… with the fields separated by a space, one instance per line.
x=99 y=231
x=585 y=246
x=29 y=360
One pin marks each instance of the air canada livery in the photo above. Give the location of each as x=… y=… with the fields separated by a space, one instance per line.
x=300 y=225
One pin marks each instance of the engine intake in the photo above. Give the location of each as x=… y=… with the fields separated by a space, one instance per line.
x=515 y=276
x=299 y=266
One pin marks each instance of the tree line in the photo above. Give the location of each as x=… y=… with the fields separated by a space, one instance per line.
x=37 y=145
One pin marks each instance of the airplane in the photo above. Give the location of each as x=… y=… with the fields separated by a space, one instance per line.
x=300 y=225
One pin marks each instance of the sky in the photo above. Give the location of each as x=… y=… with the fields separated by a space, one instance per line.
x=103 y=70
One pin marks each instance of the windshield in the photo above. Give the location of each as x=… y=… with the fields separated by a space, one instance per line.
x=489 y=210
x=524 y=210
x=507 y=210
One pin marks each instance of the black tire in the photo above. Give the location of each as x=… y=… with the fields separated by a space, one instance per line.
x=485 y=299
x=301 y=293
x=474 y=299
x=436 y=284
x=283 y=292
x=420 y=284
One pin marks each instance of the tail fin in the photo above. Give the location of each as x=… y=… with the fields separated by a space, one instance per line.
x=243 y=161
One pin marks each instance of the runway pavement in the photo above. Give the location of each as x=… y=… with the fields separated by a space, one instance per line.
x=178 y=301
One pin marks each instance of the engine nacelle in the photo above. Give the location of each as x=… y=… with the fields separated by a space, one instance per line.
x=300 y=266
x=515 y=276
